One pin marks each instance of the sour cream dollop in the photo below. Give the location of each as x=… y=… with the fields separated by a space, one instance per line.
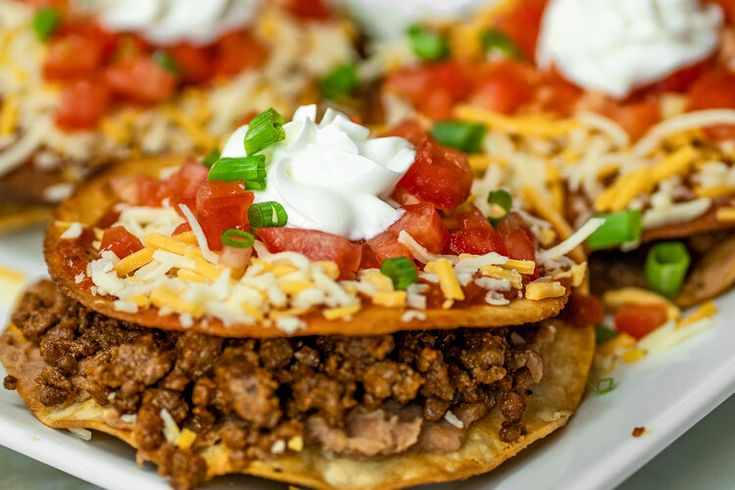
x=173 y=21
x=332 y=176
x=615 y=46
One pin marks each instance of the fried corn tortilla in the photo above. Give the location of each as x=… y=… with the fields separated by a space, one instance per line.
x=552 y=404
x=711 y=274
x=16 y=216
x=91 y=201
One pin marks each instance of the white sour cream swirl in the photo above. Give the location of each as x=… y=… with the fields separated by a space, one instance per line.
x=332 y=176
x=172 y=21
x=615 y=46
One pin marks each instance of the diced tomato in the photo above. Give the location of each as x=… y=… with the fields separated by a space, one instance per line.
x=503 y=86
x=640 y=320
x=422 y=222
x=120 y=241
x=583 y=310
x=237 y=52
x=182 y=228
x=557 y=94
x=519 y=241
x=714 y=90
x=72 y=56
x=316 y=245
x=682 y=79
x=432 y=88
x=193 y=61
x=182 y=185
x=141 y=79
x=475 y=236
x=221 y=206
x=83 y=103
x=635 y=117
x=439 y=175
x=309 y=9
x=523 y=24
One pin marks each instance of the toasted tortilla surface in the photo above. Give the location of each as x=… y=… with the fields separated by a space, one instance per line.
x=92 y=200
x=552 y=404
x=16 y=216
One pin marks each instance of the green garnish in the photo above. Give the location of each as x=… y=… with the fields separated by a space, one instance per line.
x=267 y=214
x=501 y=202
x=603 y=333
x=250 y=170
x=603 y=386
x=45 y=22
x=427 y=44
x=340 y=82
x=464 y=136
x=666 y=267
x=495 y=41
x=237 y=238
x=211 y=157
x=401 y=270
x=266 y=129
x=166 y=61
x=619 y=228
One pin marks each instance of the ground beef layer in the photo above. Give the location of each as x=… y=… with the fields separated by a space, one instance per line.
x=364 y=397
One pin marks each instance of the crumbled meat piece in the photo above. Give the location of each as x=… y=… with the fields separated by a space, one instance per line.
x=10 y=382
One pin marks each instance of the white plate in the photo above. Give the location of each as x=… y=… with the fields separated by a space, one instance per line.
x=666 y=394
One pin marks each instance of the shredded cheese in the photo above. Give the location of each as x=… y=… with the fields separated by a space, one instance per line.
x=539 y=290
x=577 y=238
x=447 y=279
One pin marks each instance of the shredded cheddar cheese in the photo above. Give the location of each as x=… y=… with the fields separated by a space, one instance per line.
x=447 y=279
x=543 y=290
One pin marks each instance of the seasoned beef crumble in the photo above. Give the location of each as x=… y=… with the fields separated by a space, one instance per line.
x=357 y=396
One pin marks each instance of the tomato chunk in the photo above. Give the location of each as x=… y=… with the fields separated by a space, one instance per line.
x=504 y=87
x=193 y=61
x=714 y=90
x=439 y=175
x=83 y=104
x=182 y=185
x=635 y=117
x=518 y=239
x=422 y=222
x=309 y=9
x=433 y=89
x=475 y=236
x=237 y=52
x=120 y=241
x=640 y=320
x=72 y=56
x=220 y=206
x=316 y=245
x=523 y=24
x=141 y=79
x=584 y=310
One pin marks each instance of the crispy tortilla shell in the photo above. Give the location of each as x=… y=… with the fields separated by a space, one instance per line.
x=705 y=223
x=16 y=216
x=711 y=274
x=92 y=200
x=554 y=400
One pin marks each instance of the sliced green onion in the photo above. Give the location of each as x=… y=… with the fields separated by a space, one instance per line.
x=340 y=82
x=237 y=238
x=619 y=228
x=45 y=22
x=266 y=129
x=603 y=333
x=464 y=136
x=666 y=267
x=250 y=170
x=166 y=61
x=603 y=386
x=495 y=41
x=267 y=214
x=427 y=44
x=211 y=157
x=401 y=270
